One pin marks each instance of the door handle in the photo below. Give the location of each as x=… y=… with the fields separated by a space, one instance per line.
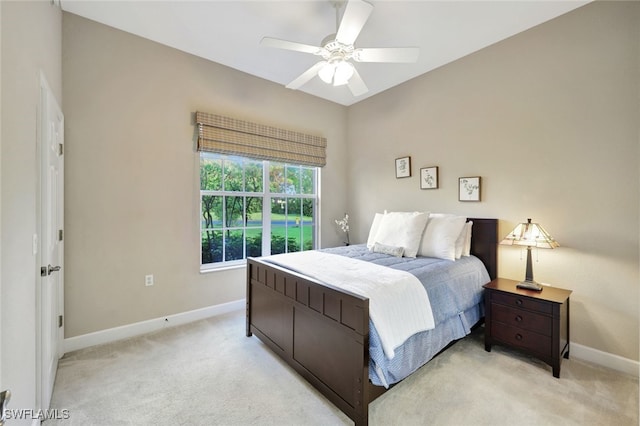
x=51 y=269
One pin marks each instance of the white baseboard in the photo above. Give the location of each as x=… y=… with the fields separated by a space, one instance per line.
x=578 y=351
x=604 y=359
x=138 y=328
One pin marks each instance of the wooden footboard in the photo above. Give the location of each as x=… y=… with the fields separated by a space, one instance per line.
x=322 y=332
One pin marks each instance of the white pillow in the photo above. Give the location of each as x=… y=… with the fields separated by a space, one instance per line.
x=462 y=238
x=374 y=230
x=463 y=242
x=402 y=229
x=467 y=245
x=440 y=235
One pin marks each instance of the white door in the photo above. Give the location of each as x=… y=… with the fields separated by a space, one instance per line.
x=51 y=241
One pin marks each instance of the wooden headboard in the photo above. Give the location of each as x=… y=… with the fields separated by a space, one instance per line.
x=484 y=243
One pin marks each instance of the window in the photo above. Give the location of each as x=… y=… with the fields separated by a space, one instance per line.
x=254 y=208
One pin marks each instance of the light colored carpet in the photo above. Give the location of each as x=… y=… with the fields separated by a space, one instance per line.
x=209 y=373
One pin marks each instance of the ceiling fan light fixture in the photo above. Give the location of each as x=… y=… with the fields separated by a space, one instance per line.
x=326 y=72
x=337 y=73
x=344 y=71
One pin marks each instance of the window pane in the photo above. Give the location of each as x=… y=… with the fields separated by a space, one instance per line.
x=278 y=244
x=233 y=176
x=211 y=247
x=211 y=212
x=278 y=209
x=210 y=173
x=293 y=179
x=254 y=242
x=294 y=230
x=253 y=176
x=307 y=224
x=277 y=181
x=254 y=226
x=254 y=211
x=278 y=227
x=307 y=181
x=234 y=212
x=234 y=245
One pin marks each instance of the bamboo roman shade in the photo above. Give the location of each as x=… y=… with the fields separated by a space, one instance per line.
x=226 y=135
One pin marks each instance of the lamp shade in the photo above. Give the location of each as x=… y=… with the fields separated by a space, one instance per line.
x=530 y=235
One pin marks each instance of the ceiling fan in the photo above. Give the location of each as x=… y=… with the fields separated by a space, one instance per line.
x=338 y=49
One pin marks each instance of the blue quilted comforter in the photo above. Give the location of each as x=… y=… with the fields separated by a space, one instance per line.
x=455 y=292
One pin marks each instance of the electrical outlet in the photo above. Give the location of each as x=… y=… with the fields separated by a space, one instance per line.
x=148 y=280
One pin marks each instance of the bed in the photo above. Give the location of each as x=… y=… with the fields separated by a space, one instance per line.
x=325 y=332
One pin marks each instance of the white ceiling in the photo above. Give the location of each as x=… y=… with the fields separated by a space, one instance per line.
x=229 y=32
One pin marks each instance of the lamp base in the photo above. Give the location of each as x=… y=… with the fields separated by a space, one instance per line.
x=529 y=285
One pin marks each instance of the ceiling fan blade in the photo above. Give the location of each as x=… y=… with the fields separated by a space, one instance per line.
x=290 y=45
x=355 y=16
x=356 y=84
x=387 y=54
x=306 y=76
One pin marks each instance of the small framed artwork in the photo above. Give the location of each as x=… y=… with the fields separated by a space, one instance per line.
x=469 y=188
x=403 y=167
x=429 y=178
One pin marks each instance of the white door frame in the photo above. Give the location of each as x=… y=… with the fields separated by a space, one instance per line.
x=2 y=388
x=49 y=243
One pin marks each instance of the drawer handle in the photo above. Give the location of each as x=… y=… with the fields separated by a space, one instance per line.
x=518 y=337
x=519 y=302
x=518 y=318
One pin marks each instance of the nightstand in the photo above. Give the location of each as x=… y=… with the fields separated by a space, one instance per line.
x=535 y=322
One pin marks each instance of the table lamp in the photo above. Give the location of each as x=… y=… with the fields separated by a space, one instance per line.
x=529 y=235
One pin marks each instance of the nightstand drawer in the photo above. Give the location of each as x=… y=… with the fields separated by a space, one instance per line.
x=522 y=319
x=519 y=337
x=522 y=302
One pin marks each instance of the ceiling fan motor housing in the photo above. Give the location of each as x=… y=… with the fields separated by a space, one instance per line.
x=332 y=49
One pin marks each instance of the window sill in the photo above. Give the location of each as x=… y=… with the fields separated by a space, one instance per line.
x=226 y=267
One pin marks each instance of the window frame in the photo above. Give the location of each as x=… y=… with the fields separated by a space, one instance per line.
x=267 y=197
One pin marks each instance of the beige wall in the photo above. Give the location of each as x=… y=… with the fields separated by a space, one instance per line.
x=31 y=43
x=132 y=194
x=550 y=119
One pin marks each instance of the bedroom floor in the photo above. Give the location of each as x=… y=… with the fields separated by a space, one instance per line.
x=209 y=373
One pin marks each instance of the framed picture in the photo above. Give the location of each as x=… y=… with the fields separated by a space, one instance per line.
x=429 y=178
x=469 y=188
x=403 y=167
